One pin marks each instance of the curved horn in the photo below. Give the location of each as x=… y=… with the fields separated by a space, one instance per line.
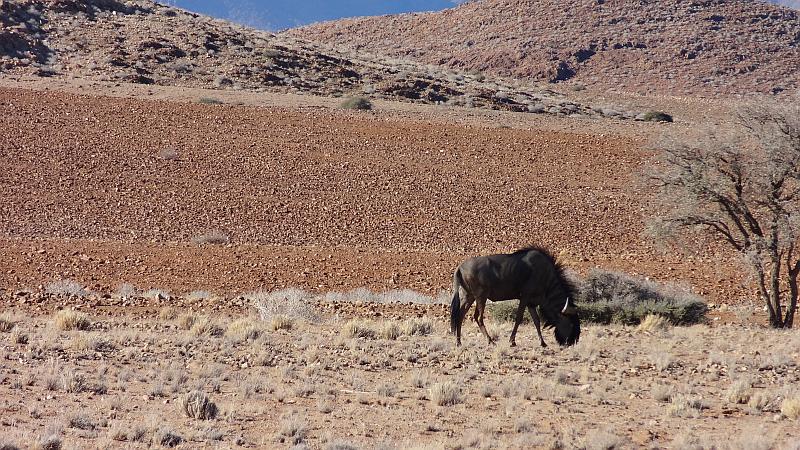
x=566 y=305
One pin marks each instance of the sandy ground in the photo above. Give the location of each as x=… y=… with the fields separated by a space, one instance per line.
x=122 y=382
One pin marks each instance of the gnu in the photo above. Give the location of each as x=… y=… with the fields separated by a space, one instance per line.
x=531 y=275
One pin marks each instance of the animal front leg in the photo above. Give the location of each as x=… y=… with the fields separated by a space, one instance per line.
x=480 y=308
x=517 y=321
x=535 y=318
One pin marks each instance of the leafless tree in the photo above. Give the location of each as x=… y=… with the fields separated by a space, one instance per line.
x=742 y=187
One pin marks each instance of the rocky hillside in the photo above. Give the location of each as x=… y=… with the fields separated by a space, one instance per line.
x=140 y=41
x=705 y=47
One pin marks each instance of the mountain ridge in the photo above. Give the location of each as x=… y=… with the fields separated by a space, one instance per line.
x=703 y=47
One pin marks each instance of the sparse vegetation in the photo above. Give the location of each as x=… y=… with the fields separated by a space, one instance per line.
x=359 y=103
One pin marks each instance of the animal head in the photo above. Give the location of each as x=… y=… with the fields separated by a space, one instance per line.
x=568 y=328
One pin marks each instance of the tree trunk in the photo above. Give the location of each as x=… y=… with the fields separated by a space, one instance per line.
x=793 y=272
x=775 y=284
x=765 y=294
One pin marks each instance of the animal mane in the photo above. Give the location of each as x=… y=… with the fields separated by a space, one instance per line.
x=566 y=284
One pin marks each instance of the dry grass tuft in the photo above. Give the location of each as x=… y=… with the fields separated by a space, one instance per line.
x=68 y=319
x=682 y=406
x=446 y=394
x=281 y=322
x=418 y=327
x=654 y=323
x=243 y=329
x=357 y=328
x=197 y=405
x=168 y=313
x=739 y=392
x=293 y=429
x=791 y=407
x=204 y=326
x=389 y=330
x=186 y=321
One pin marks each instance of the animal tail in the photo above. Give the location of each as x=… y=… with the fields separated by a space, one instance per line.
x=455 y=304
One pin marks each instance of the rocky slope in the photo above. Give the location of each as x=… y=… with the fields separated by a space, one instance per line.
x=705 y=47
x=143 y=42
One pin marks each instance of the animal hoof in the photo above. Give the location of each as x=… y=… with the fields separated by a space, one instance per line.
x=544 y=345
x=513 y=344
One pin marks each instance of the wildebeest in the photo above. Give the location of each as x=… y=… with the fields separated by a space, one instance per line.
x=533 y=276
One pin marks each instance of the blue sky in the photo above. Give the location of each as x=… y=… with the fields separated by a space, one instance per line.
x=280 y=14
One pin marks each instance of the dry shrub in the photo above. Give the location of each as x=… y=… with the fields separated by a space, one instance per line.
x=759 y=401
x=74 y=382
x=167 y=437
x=357 y=328
x=156 y=294
x=294 y=304
x=603 y=440
x=446 y=394
x=66 y=287
x=662 y=392
x=359 y=103
x=68 y=319
x=418 y=327
x=126 y=290
x=791 y=407
x=653 y=323
x=197 y=405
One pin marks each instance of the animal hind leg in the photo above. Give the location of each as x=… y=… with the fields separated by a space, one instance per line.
x=535 y=318
x=480 y=308
x=462 y=314
x=517 y=320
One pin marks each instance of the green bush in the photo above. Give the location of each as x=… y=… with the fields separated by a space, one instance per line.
x=611 y=297
x=360 y=103
x=614 y=297
x=657 y=116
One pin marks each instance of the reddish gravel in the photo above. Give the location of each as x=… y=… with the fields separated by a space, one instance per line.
x=310 y=198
